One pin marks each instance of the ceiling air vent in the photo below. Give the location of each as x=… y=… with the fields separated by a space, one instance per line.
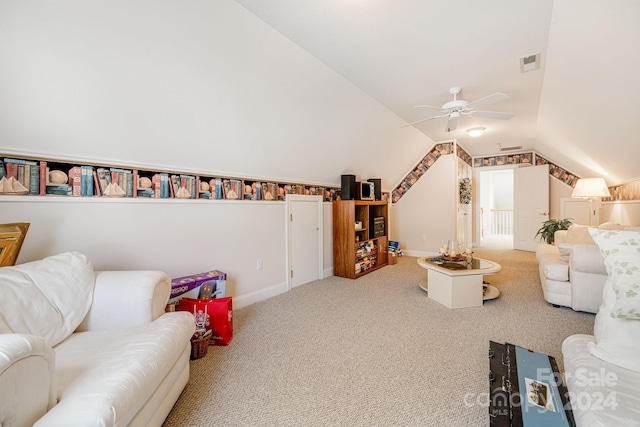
x=530 y=62
x=515 y=147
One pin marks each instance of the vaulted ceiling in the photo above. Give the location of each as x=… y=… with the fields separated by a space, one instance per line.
x=578 y=108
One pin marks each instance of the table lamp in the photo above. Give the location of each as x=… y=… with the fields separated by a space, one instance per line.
x=592 y=189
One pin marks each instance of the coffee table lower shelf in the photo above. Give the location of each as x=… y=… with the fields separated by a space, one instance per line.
x=491 y=293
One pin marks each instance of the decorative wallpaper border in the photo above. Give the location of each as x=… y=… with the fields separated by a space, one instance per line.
x=628 y=191
x=558 y=172
x=504 y=159
x=419 y=170
x=464 y=155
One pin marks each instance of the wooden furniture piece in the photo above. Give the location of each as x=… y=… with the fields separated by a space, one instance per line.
x=456 y=285
x=358 y=246
x=11 y=238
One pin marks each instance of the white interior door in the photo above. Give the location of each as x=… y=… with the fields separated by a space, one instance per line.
x=305 y=239
x=530 y=204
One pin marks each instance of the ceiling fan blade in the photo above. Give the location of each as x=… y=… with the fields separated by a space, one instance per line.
x=424 y=120
x=431 y=107
x=492 y=115
x=490 y=99
x=452 y=123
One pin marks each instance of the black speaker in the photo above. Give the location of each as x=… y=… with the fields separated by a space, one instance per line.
x=377 y=184
x=348 y=188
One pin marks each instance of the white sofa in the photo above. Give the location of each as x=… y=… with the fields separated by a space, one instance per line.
x=572 y=272
x=602 y=370
x=85 y=348
x=602 y=394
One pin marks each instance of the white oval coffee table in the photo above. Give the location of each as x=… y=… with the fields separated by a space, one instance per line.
x=458 y=285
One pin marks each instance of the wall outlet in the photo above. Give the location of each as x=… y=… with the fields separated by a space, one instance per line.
x=259 y=264
x=424 y=237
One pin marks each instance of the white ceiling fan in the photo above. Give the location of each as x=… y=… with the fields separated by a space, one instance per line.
x=454 y=109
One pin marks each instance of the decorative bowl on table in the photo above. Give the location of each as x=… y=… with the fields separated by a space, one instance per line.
x=460 y=257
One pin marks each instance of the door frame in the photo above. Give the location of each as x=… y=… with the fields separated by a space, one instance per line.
x=302 y=198
x=478 y=184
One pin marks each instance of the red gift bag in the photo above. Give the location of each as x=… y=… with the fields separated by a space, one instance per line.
x=215 y=314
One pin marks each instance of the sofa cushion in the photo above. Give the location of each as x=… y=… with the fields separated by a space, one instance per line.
x=47 y=298
x=610 y=226
x=621 y=253
x=105 y=377
x=602 y=394
x=576 y=235
x=555 y=269
x=617 y=325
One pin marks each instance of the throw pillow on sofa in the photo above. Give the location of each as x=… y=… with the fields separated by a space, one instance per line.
x=47 y=298
x=617 y=324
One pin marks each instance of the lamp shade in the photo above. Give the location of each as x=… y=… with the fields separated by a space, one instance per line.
x=591 y=187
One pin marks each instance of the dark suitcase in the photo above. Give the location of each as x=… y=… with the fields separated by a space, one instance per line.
x=526 y=389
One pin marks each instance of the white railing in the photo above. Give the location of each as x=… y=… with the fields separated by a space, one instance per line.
x=501 y=221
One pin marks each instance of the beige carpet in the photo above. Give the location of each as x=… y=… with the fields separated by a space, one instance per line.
x=371 y=352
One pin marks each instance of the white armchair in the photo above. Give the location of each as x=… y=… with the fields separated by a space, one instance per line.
x=79 y=348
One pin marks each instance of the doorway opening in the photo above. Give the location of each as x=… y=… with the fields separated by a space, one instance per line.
x=496 y=208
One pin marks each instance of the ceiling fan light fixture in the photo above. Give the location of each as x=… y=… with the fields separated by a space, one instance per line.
x=475 y=132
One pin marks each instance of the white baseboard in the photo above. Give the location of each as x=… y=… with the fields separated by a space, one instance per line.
x=327 y=272
x=261 y=295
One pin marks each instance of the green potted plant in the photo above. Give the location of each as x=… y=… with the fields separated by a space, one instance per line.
x=549 y=227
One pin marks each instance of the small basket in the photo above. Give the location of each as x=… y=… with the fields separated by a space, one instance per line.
x=199 y=346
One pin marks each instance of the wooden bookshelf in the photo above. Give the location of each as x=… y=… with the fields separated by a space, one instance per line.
x=358 y=249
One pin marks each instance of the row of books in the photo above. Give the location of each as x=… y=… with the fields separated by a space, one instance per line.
x=20 y=176
x=28 y=177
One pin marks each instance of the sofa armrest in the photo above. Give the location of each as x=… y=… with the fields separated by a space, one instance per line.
x=126 y=299
x=587 y=259
x=559 y=237
x=27 y=379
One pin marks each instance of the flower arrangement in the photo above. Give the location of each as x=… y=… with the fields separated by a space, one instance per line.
x=465 y=191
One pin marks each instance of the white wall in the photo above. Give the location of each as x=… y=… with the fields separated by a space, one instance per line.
x=502 y=189
x=429 y=208
x=180 y=237
x=622 y=212
x=199 y=86
x=202 y=87
x=557 y=191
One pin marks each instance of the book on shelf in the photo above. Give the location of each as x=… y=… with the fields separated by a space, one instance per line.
x=124 y=179
x=96 y=183
x=26 y=172
x=270 y=191
x=160 y=183
x=134 y=183
x=60 y=190
x=104 y=179
x=43 y=177
x=75 y=180
x=219 y=190
x=184 y=186
x=232 y=189
x=87 y=181
x=156 y=185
